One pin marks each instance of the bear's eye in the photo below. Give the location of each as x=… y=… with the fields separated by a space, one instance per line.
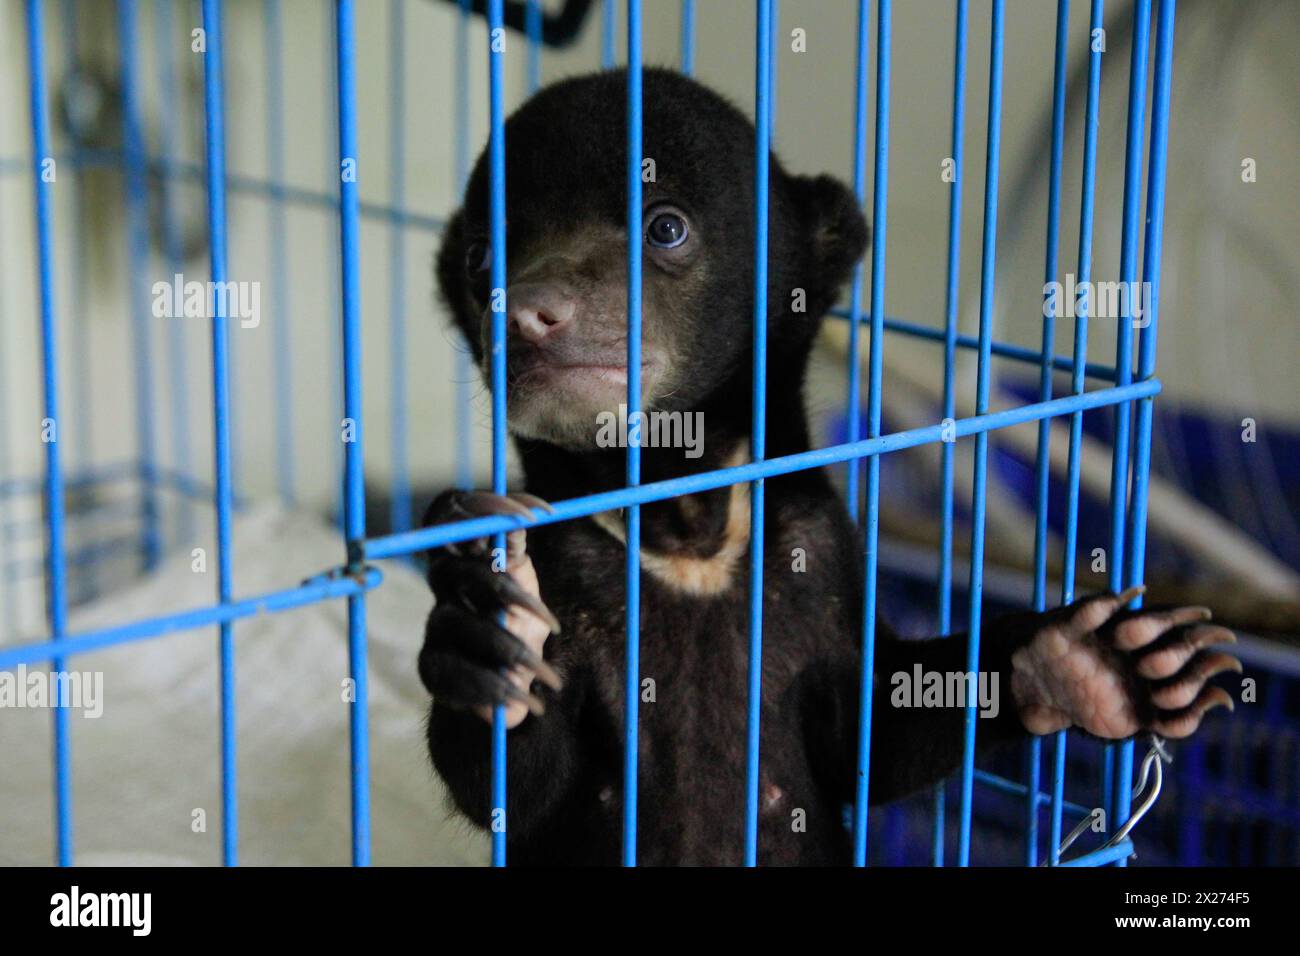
x=478 y=257
x=667 y=230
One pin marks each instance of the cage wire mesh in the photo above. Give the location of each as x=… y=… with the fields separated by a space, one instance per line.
x=170 y=167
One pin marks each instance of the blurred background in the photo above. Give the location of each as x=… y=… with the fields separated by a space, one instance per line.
x=136 y=430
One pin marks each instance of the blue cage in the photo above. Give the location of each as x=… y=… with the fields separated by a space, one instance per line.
x=1019 y=813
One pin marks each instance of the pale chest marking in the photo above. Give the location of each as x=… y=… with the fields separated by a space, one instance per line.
x=693 y=574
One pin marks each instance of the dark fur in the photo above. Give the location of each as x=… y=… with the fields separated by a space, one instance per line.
x=566 y=163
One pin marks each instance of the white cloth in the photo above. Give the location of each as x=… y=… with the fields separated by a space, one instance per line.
x=143 y=768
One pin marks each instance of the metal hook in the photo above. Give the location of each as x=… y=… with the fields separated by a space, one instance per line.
x=1155 y=759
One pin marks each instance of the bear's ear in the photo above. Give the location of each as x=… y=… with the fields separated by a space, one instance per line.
x=452 y=282
x=835 y=231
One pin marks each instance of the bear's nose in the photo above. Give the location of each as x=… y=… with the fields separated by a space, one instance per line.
x=535 y=311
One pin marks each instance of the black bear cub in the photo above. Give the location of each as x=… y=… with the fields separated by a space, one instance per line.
x=558 y=661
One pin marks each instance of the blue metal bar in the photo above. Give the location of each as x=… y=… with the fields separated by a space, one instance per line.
x=103 y=514
x=324 y=587
x=607 y=34
x=1033 y=780
x=688 y=37
x=533 y=29
x=423 y=539
x=82 y=419
x=281 y=192
x=79 y=557
x=43 y=180
x=1128 y=274
x=282 y=326
x=333 y=255
x=137 y=219
x=121 y=471
x=762 y=151
x=84 y=432
x=854 y=315
x=1058 y=795
x=178 y=372
x=216 y=157
x=1042 y=463
x=400 y=503
x=1087 y=204
x=497 y=229
x=632 y=687
x=1017 y=353
x=1156 y=184
x=1108 y=779
x=879 y=205
x=1110 y=854
x=464 y=367
x=107 y=474
x=1003 y=785
x=1155 y=220
x=949 y=372
x=1122 y=762
x=235 y=183
x=979 y=494
x=354 y=488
